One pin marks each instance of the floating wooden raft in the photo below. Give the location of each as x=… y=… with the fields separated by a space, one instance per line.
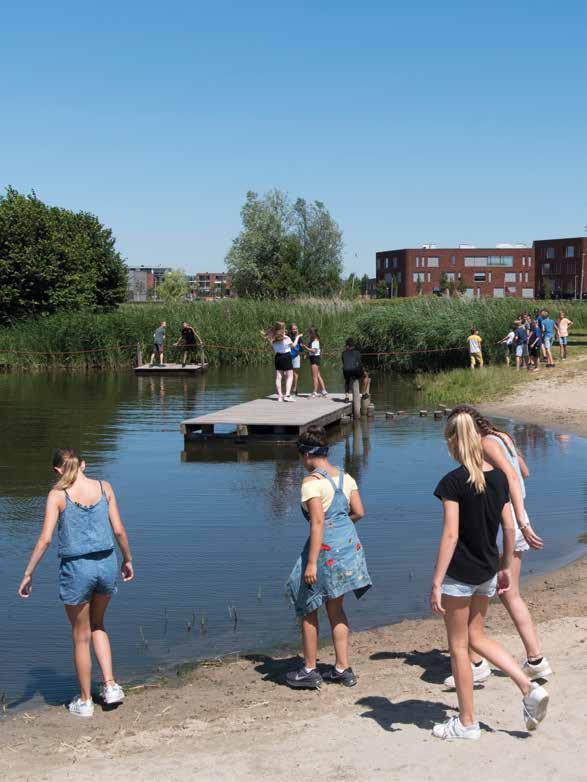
x=269 y=419
x=170 y=369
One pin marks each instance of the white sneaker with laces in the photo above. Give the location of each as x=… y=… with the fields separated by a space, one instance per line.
x=324 y=393
x=453 y=729
x=540 y=671
x=480 y=674
x=288 y=399
x=535 y=706
x=315 y=395
x=112 y=693
x=81 y=708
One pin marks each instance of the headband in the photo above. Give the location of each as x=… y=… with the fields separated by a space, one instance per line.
x=313 y=450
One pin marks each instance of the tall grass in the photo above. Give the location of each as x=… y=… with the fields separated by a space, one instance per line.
x=407 y=325
x=417 y=325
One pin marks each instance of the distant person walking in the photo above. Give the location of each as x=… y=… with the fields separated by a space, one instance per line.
x=332 y=562
x=508 y=344
x=468 y=573
x=521 y=343
x=190 y=340
x=87 y=519
x=159 y=344
x=548 y=330
x=475 y=352
x=282 y=346
x=296 y=355
x=562 y=326
x=352 y=369
x=313 y=348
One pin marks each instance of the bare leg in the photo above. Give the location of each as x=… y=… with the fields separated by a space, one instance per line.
x=310 y=639
x=518 y=610
x=100 y=640
x=288 y=381
x=315 y=371
x=340 y=632
x=278 y=384
x=79 y=617
x=296 y=377
x=320 y=379
x=456 y=620
x=489 y=648
x=365 y=384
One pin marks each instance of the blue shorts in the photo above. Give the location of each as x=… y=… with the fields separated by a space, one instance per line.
x=563 y=340
x=547 y=341
x=90 y=574
x=454 y=588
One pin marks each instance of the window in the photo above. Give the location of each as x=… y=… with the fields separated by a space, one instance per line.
x=469 y=292
x=428 y=276
x=475 y=260
x=417 y=261
x=529 y=261
x=433 y=262
x=453 y=260
x=546 y=268
x=509 y=277
x=498 y=293
x=521 y=276
x=500 y=260
x=489 y=276
x=418 y=276
x=527 y=293
x=523 y=260
x=479 y=276
x=394 y=262
x=512 y=290
x=550 y=252
x=525 y=276
x=450 y=276
x=399 y=276
x=569 y=251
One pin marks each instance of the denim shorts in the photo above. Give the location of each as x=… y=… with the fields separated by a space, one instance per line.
x=90 y=574
x=547 y=341
x=563 y=340
x=454 y=588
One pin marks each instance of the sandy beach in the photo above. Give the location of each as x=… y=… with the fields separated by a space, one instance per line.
x=236 y=720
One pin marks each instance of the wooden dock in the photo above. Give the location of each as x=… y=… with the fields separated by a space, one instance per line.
x=170 y=369
x=269 y=419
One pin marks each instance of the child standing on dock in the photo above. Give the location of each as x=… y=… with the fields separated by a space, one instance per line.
x=159 y=344
x=468 y=573
x=86 y=516
x=475 y=353
x=282 y=346
x=296 y=357
x=314 y=350
x=189 y=339
x=332 y=562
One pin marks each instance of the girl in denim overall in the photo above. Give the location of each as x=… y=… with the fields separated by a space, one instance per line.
x=331 y=564
x=86 y=516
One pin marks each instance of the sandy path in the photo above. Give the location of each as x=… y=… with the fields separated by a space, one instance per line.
x=238 y=722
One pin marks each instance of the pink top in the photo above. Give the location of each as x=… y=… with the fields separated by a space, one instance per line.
x=563 y=327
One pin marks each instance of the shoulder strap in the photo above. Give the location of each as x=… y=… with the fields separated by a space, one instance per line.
x=324 y=474
x=340 y=479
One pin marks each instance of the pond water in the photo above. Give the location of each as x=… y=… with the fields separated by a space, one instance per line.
x=213 y=527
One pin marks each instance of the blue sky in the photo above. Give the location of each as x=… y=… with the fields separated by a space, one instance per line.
x=415 y=122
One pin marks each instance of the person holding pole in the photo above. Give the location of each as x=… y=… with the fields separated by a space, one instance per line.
x=352 y=369
x=159 y=344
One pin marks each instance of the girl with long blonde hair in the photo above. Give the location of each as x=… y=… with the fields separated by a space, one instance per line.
x=87 y=519
x=468 y=572
x=282 y=346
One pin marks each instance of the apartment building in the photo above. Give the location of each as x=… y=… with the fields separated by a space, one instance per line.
x=505 y=270
x=560 y=267
x=210 y=284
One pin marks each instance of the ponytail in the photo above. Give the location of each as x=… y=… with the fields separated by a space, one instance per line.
x=464 y=444
x=67 y=460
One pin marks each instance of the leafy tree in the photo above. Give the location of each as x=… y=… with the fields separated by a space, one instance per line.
x=285 y=249
x=547 y=288
x=53 y=259
x=419 y=285
x=173 y=287
x=364 y=284
x=381 y=290
x=444 y=289
x=394 y=285
x=452 y=288
x=461 y=285
x=351 y=287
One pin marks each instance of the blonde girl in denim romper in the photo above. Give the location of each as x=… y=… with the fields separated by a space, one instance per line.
x=86 y=516
x=331 y=564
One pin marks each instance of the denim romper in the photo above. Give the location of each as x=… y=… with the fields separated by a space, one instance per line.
x=86 y=548
x=341 y=567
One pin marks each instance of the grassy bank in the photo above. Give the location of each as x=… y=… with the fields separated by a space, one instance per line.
x=404 y=329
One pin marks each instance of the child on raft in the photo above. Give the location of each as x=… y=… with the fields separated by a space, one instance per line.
x=332 y=562
x=87 y=519
x=468 y=572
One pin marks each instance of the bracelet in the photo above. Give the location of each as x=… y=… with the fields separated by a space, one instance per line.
x=523 y=526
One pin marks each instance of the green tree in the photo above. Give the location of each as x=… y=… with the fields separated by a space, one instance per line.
x=444 y=289
x=53 y=259
x=285 y=249
x=173 y=287
x=364 y=284
x=381 y=290
x=351 y=287
x=419 y=285
x=461 y=285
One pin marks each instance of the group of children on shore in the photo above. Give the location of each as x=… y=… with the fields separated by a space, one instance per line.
x=484 y=494
x=530 y=340
x=289 y=347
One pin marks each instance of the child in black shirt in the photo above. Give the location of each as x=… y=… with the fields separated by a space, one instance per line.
x=352 y=369
x=468 y=571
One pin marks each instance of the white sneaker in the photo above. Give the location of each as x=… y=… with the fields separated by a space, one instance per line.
x=480 y=674
x=454 y=729
x=315 y=395
x=540 y=671
x=288 y=399
x=112 y=693
x=280 y=399
x=81 y=708
x=324 y=393
x=535 y=705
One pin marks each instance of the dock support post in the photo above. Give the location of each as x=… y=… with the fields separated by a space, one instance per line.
x=367 y=400
x=139 y=355
x=202 y=356
x=356 y=399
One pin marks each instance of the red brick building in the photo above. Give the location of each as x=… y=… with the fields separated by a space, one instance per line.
x=211 y=284
x=560 y=267
x=496 y=272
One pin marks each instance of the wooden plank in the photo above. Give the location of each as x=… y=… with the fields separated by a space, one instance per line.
x=170 y=369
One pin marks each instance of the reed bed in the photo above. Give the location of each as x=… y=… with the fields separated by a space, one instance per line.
x=398 y=331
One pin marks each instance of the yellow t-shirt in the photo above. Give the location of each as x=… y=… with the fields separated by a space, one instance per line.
x=323 y=489
x=475 y=343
